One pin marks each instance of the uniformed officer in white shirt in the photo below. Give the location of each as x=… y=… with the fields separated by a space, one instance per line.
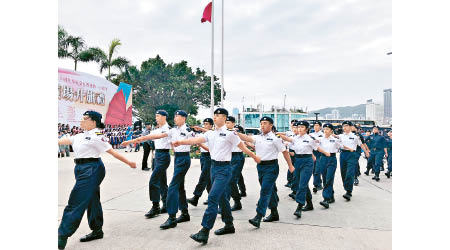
x=303 y=145
x=327 y=164
x=158 y=179
x=291 y=133
x=317 y=134
x=348 y=158
x=204 y=180
x=221 y=142
x=89 y=174
x=267 y=147
x=237 y=163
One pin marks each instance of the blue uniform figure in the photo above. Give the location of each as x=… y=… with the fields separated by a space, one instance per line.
x=348 y=158
x=289 y=175
x=89 y=174
x=377 y=151
x=317 y=135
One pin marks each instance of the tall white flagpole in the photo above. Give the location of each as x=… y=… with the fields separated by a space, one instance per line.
x=222 y=80
x=212 y=59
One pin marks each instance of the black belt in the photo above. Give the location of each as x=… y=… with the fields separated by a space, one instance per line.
x=85 y=160
x=303 y=155
x=331 y=155
x=206 y=154
x=220 y=163
x=162 y=150
x=182 y=153
x=345 y=150
x=236 y=153
x=271 y=162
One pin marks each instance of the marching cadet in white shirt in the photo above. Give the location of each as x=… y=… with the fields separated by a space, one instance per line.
x=317 y=134
x=328 y=164
x=348 y=158
x=221 y=141
x=291 y=133
x=303 y=145
x=267 y=147
x=89 y=174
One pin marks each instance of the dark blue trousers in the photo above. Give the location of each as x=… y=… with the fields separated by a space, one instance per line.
x=176 y=195
x=304 y=171
x=377 y=157
x=205 y=180
x=220 y=190
x=358 y=168
x=158 y=179
x=237 y=163
x=85 y=195
x=389 y=160
x=290 y=176
x=267 y=176
x=347 y=162
x=317 y=181
x=327 y=167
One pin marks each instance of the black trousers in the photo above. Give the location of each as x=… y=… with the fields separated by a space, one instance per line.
x=146 y=154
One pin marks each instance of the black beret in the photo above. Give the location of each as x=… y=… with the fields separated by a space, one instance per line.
x=221 y=111
x=209 y=120
x=148 y=123
x=317 y=122
x=181 y=112
x=162 y=112
x=328 y=125
x=348 y=123
x=266 y=118
x=295 y=120
x=303 y=123
x=240 y=128
x=94 y=115
x=376 y=127
x=231 y=119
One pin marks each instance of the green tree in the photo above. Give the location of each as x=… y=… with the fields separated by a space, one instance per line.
x=158 y=85
x=73 y=47
x=62 y=42
x=107 y=61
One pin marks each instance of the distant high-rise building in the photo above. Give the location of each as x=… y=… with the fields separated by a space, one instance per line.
x=329 y=116
x=387 y=103
x=374 y=111
x=335 y=113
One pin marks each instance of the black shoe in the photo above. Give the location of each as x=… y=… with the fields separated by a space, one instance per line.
x=171 y=222
x=292 y=195
x=308 y=207
x=164 y=209
x=314 y=189
x=324 y=203
x=193 y=201
x=256 y=221
x=287 y=184
x=96 y=234
x=227 y=229
x=347 y=196
x=205 y=203
x=243 y=194
x=366 y=172
x=202 y=236
x=298 y=211
x=237 y=206
x=272 y=217
x=356 y=182
x=62 y=241
x=388 y=174
x=331 y=200
x=375 y=177
x=183 y=218
x=145 y=169
x=153 y=212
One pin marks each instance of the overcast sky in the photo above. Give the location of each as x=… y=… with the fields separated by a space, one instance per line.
x=321 y=53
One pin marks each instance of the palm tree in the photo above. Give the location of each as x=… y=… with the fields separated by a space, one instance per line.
x=107 y=61
x=76 y=44
x=62 y=42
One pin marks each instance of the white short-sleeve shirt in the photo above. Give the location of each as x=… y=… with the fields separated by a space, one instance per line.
x=267 y=146
x=163 y=143
x=221 y=142
x=89 y=144
x=181 y=133
x=304 y=144
x=330 y=144
x=290 y=134
x=350 y=140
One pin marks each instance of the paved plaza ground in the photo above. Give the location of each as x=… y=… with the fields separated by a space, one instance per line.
x=364 y=223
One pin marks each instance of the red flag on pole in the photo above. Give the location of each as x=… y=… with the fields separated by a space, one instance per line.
x=207 y=13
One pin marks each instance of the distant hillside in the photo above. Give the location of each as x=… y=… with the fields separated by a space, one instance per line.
x=343 y=111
